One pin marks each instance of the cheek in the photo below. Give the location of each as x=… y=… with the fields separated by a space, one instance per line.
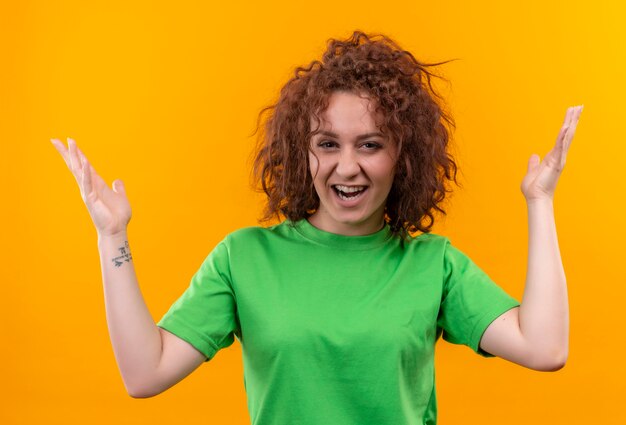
x=386 y=175
x=382 y=169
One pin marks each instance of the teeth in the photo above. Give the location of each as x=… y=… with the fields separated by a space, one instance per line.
x=349 y=189
x=344 y=196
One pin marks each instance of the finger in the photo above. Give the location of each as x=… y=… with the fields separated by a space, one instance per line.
x=566 y=134
x=567 y=125
x=94 y=178
x=87 y=185
x=567 y=121
x=74 y=160
x=118 y=187
x=561 y=137
x=533 y=161
x=81 y=155
x=60 y=147
x=570 y=115
x=572 y=127
x=576 y=111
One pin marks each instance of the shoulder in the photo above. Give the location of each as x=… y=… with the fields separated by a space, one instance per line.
x=427 y=242
x=426 y=248
x=439 y=243
x=256 y=234
x=245 y=233
x=430 y=238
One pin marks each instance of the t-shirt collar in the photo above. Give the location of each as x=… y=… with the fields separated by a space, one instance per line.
x=323 y=237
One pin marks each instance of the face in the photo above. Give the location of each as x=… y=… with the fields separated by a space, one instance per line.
x=352 y=165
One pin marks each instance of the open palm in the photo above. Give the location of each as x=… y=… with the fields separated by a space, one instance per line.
x=109 y=209
x=541 y=179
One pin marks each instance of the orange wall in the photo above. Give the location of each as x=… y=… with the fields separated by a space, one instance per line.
x=165 y=97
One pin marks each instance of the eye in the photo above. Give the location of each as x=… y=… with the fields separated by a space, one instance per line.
x=371 y=145
x=326 y=144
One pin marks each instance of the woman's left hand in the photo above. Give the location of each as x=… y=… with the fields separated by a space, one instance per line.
x=541 y=178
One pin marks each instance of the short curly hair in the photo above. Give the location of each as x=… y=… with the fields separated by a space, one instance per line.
x=414 y=118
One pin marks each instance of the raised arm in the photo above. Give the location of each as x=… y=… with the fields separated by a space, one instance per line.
x=150 y=359
x=536 y=334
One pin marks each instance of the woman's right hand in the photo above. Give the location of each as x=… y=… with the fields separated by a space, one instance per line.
x=109 y=209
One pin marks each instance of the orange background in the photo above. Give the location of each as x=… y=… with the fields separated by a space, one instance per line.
x=166 y=95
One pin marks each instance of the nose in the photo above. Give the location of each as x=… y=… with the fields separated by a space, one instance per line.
x=347 y=164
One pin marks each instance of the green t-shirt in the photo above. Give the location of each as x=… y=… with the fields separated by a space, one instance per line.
x=336 y=329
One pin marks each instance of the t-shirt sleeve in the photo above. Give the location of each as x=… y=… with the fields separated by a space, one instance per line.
x=205 y=315
x=470 y=300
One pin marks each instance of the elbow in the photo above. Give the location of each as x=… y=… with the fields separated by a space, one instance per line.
x=552 y=366
x=139 y=391
x=140 y=394
x=551 y=363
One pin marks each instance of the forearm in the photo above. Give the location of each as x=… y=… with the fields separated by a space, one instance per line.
x=134 y=335
x=544 y=312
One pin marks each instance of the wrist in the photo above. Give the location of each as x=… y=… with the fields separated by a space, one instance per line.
x=540 y=201
x=122 y=235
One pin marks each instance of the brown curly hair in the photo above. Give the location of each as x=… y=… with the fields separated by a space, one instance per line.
x=400 y=86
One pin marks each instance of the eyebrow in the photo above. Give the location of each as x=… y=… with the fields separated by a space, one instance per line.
x=360 y=137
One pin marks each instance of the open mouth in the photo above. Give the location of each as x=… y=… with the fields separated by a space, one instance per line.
x=348 y=193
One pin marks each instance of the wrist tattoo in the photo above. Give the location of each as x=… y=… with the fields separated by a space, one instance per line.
x=125 y=255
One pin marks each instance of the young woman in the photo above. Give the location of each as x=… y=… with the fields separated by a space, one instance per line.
x=339 y=306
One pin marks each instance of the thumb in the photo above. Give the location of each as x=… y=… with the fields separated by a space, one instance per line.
x=118 y=187
x=533 y=162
